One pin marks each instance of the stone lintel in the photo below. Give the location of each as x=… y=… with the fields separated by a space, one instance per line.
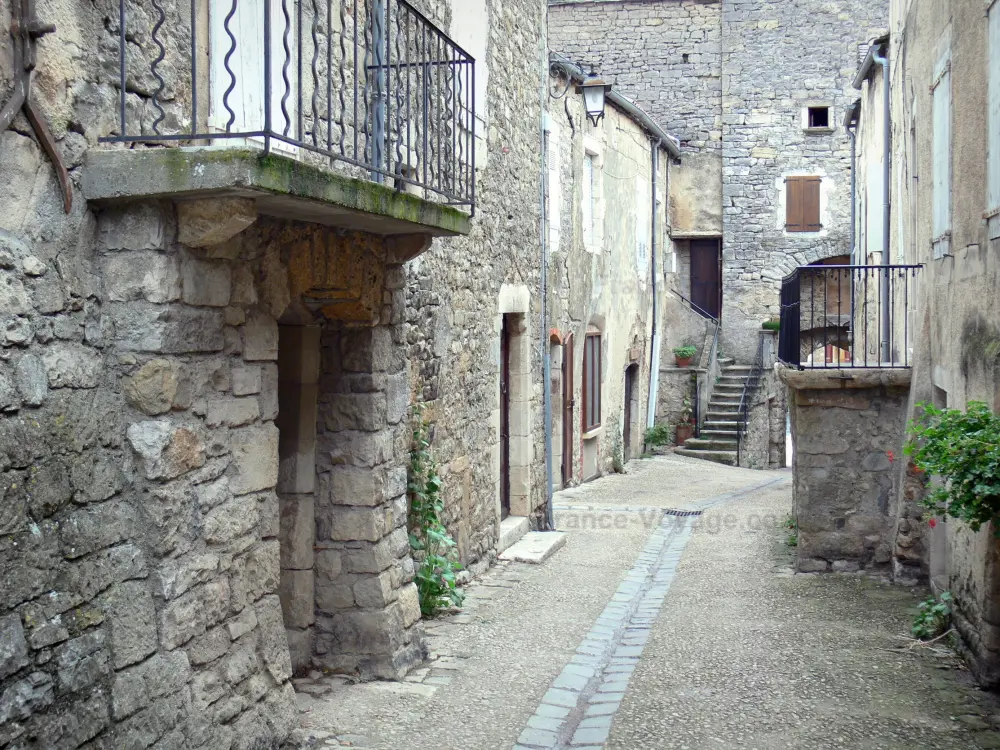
x=279 y=186
x=207 y=222
x=844 y=377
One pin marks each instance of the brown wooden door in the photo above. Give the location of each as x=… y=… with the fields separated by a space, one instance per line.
x=504 y=419
x=567 y=420
x=706 y=276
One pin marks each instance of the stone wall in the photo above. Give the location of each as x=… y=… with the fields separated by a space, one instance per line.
x=778 y=58
x=453 y=292
x=955 y=318
x=847 y=429
x=666 y=57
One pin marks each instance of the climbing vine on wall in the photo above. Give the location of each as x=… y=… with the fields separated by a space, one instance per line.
x=433 y=548
x=963 y=449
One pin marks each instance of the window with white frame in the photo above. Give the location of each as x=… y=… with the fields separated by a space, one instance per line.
x=993 y=123
x=941 y=157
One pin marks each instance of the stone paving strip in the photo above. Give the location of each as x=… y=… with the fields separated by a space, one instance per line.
x=578 y=709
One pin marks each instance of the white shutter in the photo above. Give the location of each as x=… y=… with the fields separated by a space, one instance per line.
x=941 y=152
x=588 y=200
x=993 y=123
x=554 y=197
x=246 y=100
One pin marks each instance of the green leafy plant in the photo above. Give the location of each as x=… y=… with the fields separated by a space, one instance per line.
x=687 y=412
x=434 y=550
x=685 y=352
x=793 y=540
x=963 y=448
x=933 y=617
x=790 y=523
x=658 y=434
x=771 y=325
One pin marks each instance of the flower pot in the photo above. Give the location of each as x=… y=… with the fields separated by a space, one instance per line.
x=684 y=432
x=684 y=361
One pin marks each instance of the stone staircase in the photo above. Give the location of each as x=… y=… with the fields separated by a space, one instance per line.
x=718 y=433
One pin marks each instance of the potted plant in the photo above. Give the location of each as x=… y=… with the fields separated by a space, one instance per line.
x=685 y=424
x=684 y=355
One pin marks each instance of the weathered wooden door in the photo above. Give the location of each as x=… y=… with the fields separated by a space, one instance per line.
x=504 y=419
x=706 y=276
x=567 y=420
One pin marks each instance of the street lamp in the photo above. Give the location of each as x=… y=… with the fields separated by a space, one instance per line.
x=594 y=91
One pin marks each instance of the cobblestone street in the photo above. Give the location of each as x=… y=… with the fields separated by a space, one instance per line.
x=656 y=630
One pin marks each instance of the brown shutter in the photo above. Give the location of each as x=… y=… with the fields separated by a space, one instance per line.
x=802 y=204
x=793 y=205
x=810 y=204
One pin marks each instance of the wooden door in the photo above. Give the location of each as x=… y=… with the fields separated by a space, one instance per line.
x=706 y=276
x=504 y=419
x=630 y=377
x=567 y=420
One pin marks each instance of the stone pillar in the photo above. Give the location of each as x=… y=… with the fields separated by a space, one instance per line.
x=366 y=604
x=847 y=430
x=298 y=383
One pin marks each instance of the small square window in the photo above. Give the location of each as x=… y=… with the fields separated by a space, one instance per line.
x=819 y=117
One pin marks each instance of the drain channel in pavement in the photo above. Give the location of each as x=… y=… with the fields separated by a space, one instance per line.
x=578 y=709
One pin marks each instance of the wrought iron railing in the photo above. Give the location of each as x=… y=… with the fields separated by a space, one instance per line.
x=750 y=388
x=702 y=312
x=847 y=316
x=370 y=84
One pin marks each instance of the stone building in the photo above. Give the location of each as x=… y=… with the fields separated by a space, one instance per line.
x=754 y=90
x=945 y=214
x=209 y=352
x=606 y=208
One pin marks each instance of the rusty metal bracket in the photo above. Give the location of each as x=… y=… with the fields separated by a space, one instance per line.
x=26 y=30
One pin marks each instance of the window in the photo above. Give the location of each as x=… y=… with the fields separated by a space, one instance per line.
x=993 y=125
x=592 y=382
x=819 y=117
x=588 y=200
x=802 y=212
x=941 y=158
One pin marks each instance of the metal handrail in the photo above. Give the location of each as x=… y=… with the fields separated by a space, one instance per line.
x=700 y=311
x=750 y=388
x=373 y=86
x=846 y=316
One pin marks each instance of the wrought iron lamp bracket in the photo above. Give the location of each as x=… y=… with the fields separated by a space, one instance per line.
x=26 y=30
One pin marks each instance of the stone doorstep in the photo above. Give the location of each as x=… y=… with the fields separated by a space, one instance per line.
x=512 y=528
x=535 y=547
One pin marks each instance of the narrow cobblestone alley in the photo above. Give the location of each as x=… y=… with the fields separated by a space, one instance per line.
x=656 y=630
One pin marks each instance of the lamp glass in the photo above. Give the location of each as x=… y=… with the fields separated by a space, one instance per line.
x=593 y=100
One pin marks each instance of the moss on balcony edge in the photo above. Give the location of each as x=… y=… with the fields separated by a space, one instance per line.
x=175 y=172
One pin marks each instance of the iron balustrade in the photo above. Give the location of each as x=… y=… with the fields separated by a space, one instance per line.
x=847 y=316
x=750 y=388
x=370 y=84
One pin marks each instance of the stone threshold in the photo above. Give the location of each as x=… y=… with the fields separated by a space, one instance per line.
x=512 y=528
x=535 y=547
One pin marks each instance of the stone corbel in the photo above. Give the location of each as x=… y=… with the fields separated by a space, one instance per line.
x=405 y=247
x=212 y=221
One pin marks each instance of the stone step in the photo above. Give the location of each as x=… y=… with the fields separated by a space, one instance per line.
x=726 y=398
x=728 y=417
x=720 y=424
x=719 y=434
x=726 y=362
x=512 y=528
x=732 y=380
x=720 y=457
x=738 y=370
x=729 y=385
x=731 y=409
x=535 y=547
x=710 y=444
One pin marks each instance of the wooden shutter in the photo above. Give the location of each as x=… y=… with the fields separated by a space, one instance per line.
x=802 y=204
x=941 y=153
x=993 y=123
